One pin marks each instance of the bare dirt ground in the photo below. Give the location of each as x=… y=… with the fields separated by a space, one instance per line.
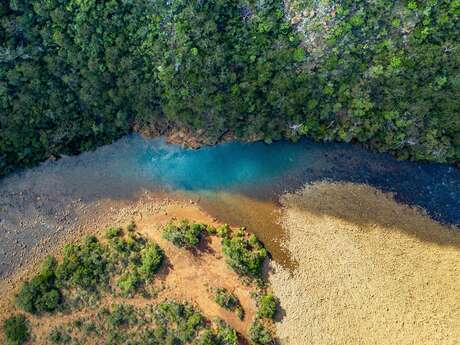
x=371 y=271
x=186 y=276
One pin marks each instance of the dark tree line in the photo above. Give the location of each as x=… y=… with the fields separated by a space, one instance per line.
x=80 y=73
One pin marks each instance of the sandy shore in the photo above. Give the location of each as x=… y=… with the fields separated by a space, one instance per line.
x=371 y=271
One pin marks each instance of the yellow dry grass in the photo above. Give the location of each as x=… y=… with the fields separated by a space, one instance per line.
x=371 y=271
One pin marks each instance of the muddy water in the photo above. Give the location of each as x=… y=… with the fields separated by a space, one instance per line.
x=239 y=183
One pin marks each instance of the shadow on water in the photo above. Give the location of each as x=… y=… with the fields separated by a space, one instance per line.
x=366 y=208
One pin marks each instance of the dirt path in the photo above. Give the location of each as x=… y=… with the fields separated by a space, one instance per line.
x=371 y=271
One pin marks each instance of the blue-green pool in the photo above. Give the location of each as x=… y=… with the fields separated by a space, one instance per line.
x=261 y=171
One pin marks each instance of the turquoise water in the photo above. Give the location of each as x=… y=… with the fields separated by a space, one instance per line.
x=224 y=167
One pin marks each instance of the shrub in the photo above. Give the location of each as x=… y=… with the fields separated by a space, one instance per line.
x=240 y=312
x=225 y=299
x=122 y=314
x=185 y=235
x=40 y=294
x=59 y=336
x=16 y=330
x=258 y=334
x=226 y=335
x=223 y=334
x=180 y=321
x=128 y=283
x=267 y=306
x=211 y=230
x=131 y=226
x=113 y=232
x=151 y=259
x=245 y=256
x=223 y=230
x=84 y=265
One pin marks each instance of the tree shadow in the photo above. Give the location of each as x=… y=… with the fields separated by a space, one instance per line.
x=165 y=269
x=368 y=208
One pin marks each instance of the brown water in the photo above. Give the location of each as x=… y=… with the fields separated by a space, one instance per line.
x=258 y=216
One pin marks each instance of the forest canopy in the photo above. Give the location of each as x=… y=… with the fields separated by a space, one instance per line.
x=77 y=74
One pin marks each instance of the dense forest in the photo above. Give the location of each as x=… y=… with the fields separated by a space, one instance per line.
x=77 y=74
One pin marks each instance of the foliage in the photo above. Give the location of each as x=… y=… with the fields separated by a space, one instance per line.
x=151 y=260
x=59 y=336
x=41 y=294
x=180 y=322
x=78 y=74
x=224 y=335
x=223 y=230
x=84 y=265
x=16 y=330
x=267 y=306
x=258 y=334
x=225 y=299
x=113 y=232
x=244 y=255
x=185 y=234
x=90 y=267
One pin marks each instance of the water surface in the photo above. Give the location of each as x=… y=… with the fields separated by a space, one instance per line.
x=239 y=183
x=262 y=171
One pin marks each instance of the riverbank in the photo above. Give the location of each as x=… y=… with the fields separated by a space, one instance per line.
x=371 y=271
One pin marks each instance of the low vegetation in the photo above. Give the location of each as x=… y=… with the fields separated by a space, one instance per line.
x=16 y=330
x=259 y=334
x=186 y=234
x=122 y=263
x=244 y=254
x=266 y=305
x=227 y=300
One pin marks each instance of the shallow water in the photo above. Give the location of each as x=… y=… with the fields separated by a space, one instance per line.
x=257 y=170
x=238 y=183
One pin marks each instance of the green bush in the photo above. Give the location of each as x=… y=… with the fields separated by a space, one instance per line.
x=267 y=306
x=89 y=267
x=84 y=265
x=258 y=334
x=16 y=330
x=151 y=259
x=185 y=235
x=225 y=299
x=223 y=230
x=59 y=336
x=132 y=226
x=122 y=315
x=129 y=283
x=245 y=256
x=113 y=232
x=211 y=230
x=40 y=294
x=179 y=321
